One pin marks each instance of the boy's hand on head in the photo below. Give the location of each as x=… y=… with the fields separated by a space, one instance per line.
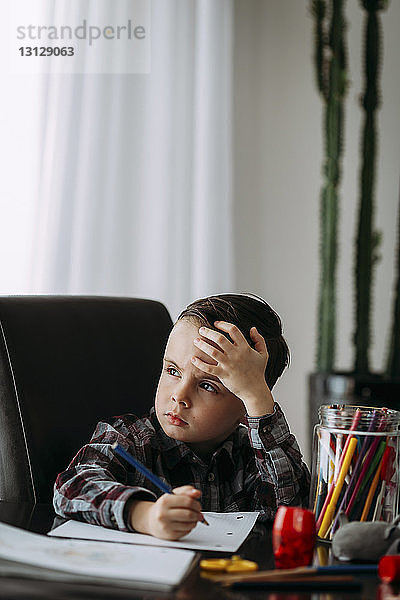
x=171 y=516
x=239 y=367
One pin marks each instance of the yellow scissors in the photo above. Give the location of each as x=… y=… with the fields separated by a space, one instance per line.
x=235 y=564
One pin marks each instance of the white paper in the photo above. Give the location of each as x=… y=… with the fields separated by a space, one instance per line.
x=146 y=566
x=226 y=532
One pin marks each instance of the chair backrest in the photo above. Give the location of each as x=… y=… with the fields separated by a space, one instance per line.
x=66 y=362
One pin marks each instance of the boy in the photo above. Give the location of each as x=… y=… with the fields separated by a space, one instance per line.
x=217 y=374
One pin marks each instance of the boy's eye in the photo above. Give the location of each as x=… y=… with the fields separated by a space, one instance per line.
x=208 y=387
x=172 y=371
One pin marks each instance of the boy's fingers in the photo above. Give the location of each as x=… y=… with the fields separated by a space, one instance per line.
x=208 y=349
x=188 y=490
x=205 y=367
x=215 y=336
x=259 y=342
x=234 y=332
x=179 y=531
x=183 y=515
x=189 y=501
x=190 y=504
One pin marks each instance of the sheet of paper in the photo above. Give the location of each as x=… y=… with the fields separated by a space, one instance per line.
x=226 y=532
x=92 y=560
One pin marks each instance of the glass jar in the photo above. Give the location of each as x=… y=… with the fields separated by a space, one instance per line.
x=354 y=465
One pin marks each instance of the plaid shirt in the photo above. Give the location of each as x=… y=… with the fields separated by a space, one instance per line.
x=257 y=468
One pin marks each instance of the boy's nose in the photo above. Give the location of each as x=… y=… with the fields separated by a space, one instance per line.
x=181 y=399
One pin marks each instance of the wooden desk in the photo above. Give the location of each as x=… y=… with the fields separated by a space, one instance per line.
x=39 y=518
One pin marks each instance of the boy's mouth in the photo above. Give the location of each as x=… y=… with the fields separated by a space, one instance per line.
x=175 y=420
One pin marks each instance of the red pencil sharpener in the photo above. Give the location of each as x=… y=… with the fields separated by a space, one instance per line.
x=293 y=537
x=389 y=568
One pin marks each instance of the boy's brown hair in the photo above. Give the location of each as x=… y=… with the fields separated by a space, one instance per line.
x=245 y=311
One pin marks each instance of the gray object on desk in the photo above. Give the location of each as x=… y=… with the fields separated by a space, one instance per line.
x=364 y=541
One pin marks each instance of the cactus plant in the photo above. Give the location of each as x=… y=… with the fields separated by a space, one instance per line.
x=330 y=69
x=367 y=238
x=393 y=363
x=358 y=386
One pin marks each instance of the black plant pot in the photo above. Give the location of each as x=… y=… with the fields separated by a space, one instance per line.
x=350 y=388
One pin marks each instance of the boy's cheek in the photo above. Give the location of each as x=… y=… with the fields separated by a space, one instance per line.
x=161 y=387
x=163 y=395
x=157 y=400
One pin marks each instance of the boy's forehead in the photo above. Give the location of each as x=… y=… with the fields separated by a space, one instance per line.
x=180 y=345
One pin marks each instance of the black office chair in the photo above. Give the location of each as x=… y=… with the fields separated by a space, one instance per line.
x=66 y=362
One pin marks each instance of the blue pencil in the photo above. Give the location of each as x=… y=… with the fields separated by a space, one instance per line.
x=301 y=586
x=145 y=471
x=302 y=577
x=346 y=569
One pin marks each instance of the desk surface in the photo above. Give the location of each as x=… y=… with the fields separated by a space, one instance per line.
x=39 y=518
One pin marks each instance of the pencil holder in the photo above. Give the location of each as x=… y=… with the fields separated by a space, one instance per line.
x=354 y=466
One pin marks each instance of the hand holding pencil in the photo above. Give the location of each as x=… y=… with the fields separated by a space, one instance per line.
x=173 y=515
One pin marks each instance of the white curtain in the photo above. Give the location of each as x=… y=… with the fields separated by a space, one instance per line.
x=135 y=185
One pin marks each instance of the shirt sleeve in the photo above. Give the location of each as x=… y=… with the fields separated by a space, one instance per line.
x=282 y=477
x=94 y=486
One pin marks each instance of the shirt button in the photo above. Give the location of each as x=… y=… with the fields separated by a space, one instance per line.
x=211 y=477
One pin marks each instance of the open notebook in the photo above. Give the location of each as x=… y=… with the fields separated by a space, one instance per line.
x=226 y=532
x=26 y=554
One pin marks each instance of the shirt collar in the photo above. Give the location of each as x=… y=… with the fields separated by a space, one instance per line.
x=175 y=451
